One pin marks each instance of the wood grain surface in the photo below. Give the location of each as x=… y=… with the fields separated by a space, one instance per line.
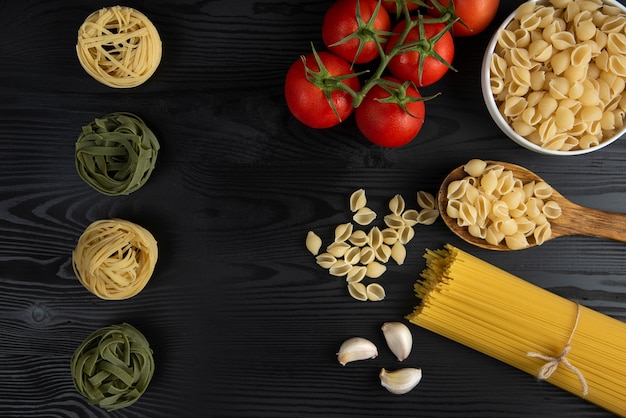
x=242 y=321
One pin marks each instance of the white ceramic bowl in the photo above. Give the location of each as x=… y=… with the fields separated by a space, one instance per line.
x=492 y=107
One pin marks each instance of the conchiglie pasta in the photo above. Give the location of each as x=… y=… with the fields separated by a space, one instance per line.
x=617 y=65
x=563 y=40
x=556 y=142
x=585 y=30
x=359 y=255
x=497 y=85
x=581 y=54
x=568 y=55
x=505 y=210
x=522 y=38
x=576 y=89
x=516 y=241
x=564 y=118
x=551 y=210
x=514 y=105
x=540 y=50
x=507 y=39
x=530 y=22
x=520 y=58
x=608 y=120
x=522 y=127
x=542 y=233
x=613 y=24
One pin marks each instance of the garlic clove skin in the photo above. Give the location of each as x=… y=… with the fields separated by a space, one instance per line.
x=399 y=339
x=400 y=381
x=356 y=348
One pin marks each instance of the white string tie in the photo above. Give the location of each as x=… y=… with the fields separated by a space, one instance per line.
x=552 y=363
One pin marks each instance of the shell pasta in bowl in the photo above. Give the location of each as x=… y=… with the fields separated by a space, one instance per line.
x=553 y=75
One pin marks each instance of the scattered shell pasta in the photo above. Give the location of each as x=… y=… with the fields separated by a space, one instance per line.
x=358 y=291
x=313 y=243
x=557 y=73
x=343 y=232
x=357 y=254
x=358 y=200
x=398 y=253
x=502 y=209
x=375 y=292
x=356 y=274
x=364 y=216
x=426 y=200
x=375 y=269
x=326 y=260
x=396 y=205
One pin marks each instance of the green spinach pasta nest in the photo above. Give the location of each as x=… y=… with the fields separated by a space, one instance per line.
x=116 y=154
x=113 y=366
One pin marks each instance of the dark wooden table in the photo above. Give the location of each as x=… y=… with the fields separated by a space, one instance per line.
x=242 y=321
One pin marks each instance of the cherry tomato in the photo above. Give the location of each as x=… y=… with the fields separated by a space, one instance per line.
x=406 y=65
x=388 y=124
x=340 y=22
x=307 y=99
x=476 y=14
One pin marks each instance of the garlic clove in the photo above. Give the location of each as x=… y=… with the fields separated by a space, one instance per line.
x=400 y=381
x=356 y=348
x=399 y=339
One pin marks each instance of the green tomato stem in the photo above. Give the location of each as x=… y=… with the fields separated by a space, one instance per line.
x=425 y=46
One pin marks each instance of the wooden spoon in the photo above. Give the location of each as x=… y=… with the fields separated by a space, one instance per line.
x=575 y=219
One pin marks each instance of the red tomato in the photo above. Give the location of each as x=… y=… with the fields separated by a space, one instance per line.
x=307 y=100
x=477 y=15
x=406 y=65
x=395 y=6
x=388 y=124
x=340 y=22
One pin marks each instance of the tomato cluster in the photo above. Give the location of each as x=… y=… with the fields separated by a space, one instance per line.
x=412 y=43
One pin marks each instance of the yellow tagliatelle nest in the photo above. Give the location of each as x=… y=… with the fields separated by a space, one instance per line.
x=114 y=258
x=119 y=47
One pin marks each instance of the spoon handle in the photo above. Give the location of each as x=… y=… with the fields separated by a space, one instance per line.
x=581 y=220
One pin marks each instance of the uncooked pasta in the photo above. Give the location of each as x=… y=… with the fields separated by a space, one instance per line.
x=555 y=339
x=116 y=154
x=498 y=207
x=358 y=255
x=119 y=46
x=115 y=258
x=557 y=73
x=113 y=366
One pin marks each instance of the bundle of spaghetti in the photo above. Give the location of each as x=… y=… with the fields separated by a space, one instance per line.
x=116 y=154
x=113 y=366
x=119 y=46
x=115 y=258
x=494 y=312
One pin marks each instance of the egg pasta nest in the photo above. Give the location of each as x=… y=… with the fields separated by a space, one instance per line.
x=113 y=366
x=114 y=258
x=119 y=47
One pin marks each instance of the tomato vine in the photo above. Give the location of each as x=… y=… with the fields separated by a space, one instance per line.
x=424 y=46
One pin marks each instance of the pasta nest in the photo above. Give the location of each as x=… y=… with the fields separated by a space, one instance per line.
x=115 y=258
x=119 y=47
x=116 y=154
x=113 y=366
